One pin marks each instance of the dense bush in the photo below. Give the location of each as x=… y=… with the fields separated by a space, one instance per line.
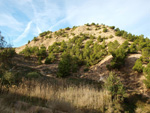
x=6 y=55
x=45 y=33
x=112 y=46
x=119 y=32
x=67 y=28
x=42 y=52
x=50 y=36
x=125 y=46
x=118 y=58
x=63 y=46
x=147 y=76
x=138 y=66
x=26 y=52
x=146 y=54
x=34 y=50
x=133 y=48
x=61 y=32
x=67 y=65
x=114 y=85
x=50 y=59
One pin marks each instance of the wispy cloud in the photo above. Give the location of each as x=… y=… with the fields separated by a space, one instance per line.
x=39 y=30
x=130 y=15
x=10 y=22
x=24 y=34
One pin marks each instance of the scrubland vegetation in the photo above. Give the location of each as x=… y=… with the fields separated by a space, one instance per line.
x=33 y=92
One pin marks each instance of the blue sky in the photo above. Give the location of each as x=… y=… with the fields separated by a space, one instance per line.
x=21 y=20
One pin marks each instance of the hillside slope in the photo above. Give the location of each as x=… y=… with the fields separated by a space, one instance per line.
x=86 y=69
x=98 y=70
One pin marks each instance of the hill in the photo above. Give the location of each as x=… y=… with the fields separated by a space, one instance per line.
x=89 y=63
x=82 y=35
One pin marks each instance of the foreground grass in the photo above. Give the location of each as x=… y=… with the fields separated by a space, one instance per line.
x=59 y=95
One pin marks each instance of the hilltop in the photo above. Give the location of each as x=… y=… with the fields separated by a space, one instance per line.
x=47 y=38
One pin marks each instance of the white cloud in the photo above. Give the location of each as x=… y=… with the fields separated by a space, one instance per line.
x=10 y=21
x=39 y=30
x=123 y=14
x=49 y=14
x=24 y=34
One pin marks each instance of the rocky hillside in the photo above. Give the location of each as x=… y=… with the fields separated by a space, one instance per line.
x=99 y=50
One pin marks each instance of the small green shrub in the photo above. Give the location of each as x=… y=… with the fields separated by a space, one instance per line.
x=112 y=27
x=28 y=41
x=88 y=28
x=119 y=32
x=35 y=39
x=99 y=39
x=93 y=23
x=105 y=30
x=147 y=76
x=87 y=24
x=67 y=28
x=138 y=66
x=31 y=75
x=111 y=36
x=133 y=48
x=42 y=52
x=8 y=77
x=39 y=61
x=50 y=59
x=74 y=27
x=92 y=37
x=44 y=33
x=50 y=36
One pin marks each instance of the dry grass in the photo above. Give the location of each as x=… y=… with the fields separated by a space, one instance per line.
x=61 y=96
x=66 y=98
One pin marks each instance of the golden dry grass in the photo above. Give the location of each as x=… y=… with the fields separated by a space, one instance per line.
x=66 y=98
x=60 y=96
